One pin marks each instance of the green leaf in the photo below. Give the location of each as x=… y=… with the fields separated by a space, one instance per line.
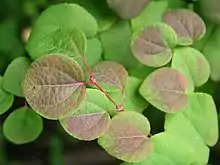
x=14 y=76
x=110 y=75
x=151 y=14
x=176 y=3
x=174 y=148
x=54 y=86
x=141 y=72
x=61 y=41
x=91 y=120
x=187 y=24
x=179 y=126
x=22 y=126
x=165 y=89
x=129 y=8
x=202 y=113
x=116 y=43
x=153 y=45
x=126 y=139
x=100 y=10
x=153 y=159
x=6 y=99
x=211 y=51
x=70 y=19
x=93 y=53
x=192 y=64
x=131 y=98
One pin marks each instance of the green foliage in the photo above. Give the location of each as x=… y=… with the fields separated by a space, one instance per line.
x=22 y=126
x=95 y=70
x=6 y=99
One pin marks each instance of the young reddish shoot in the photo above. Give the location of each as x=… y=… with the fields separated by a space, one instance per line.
x=94 y=82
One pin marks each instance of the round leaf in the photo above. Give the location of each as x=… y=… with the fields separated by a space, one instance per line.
x=192 y=64
x=111 y=75
x=6 y=99
x=62 y=16
x=22 y=126
x=129 y=8
x=91 y=120
x=202 y=113
x=127 y=138
x=165 y=89
x=14 y=76
x=187 y=24
x=179 y=126
x=69 y=42
x=173 y=148
x=153 y=45
x=53 y=86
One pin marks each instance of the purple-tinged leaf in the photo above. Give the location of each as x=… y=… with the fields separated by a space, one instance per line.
x=127 y=138
x=91 y=120
x=129 y=8
x=187 y=24
x=165 y=89
x=153 y=45
x=53 y=86
x=110 y=75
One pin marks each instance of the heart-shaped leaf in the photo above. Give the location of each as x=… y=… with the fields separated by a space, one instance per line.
x=165 y=89
x=22 y=126
x=132 y=100
x=179 y=126
x=127 y=138
x=173 y=148
x=202 y=113
x=14 y=76
x=192 y=64
x=51 y=20
x=129 y=8
x=187 y=24
x=61 y=41
x=6 y=99
x=53 y=86
x=110 y=75
x=153 y=45
x=91 y=120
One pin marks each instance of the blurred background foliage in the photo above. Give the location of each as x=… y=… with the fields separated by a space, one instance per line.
x=54 y=146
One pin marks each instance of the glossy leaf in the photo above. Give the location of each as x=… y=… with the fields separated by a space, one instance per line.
x=179 y=126
x=132 y=100
x=69 y=42
x=71 y=18
x=91 y=120
x=153 y=159
x=174 y=148
x=6 y=99
x=111 y=75
x=116 y=43
x=187 y=24
x=14 y=76
x=165 y=89
x=151 y=14
x=127 y=138
x=22 y=126
x=153 y=45
x=53 y=86
x=192 y=64
x=202 y=113
x=129 y=8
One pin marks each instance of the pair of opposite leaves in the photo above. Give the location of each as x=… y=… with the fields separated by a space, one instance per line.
x=54 y=88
